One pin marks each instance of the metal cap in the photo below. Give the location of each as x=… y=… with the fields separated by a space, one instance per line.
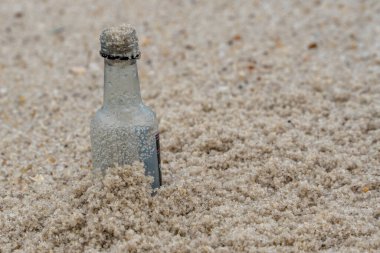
x=119 y=42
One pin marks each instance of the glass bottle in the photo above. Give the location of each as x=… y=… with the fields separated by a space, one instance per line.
x=124 y=130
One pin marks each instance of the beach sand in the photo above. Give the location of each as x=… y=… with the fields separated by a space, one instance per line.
x=269 y=118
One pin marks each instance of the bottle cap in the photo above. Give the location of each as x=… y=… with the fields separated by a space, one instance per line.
x=119 y=42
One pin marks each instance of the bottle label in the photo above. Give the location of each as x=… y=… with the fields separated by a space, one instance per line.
x=158 y=157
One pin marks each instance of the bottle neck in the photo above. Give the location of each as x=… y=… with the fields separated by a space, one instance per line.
x=121 y=83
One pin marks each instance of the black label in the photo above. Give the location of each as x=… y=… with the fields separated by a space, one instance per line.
x=158 y=157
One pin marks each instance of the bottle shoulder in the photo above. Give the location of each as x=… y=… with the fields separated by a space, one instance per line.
x=139 y=115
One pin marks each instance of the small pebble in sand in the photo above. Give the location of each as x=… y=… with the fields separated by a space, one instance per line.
x=21 y=100
x=312 y=45
x=78 y=70
x=365 y=189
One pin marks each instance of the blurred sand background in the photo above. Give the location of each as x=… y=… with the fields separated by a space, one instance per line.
x=269 y=117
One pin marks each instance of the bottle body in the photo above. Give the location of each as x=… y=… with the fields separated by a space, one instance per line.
x=124 y=130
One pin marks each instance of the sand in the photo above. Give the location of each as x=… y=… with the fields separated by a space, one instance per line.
x=269 y=117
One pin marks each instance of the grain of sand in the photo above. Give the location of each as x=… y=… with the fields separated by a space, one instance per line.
x=269 y=116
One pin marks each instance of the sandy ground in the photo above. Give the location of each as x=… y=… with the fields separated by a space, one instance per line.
x=269 y=117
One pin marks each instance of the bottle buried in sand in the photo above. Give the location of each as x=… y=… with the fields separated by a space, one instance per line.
x=124 y=130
